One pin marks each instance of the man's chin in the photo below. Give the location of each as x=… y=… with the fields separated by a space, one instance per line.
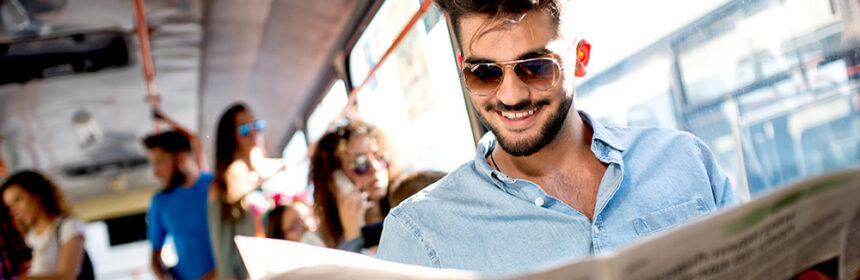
x=518 y=148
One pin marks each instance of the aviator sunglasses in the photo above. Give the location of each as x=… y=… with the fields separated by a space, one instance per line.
x=245 y=129
x=361 y=164
x=542 y=73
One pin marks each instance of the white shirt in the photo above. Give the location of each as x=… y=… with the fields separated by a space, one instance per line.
x=44 y=245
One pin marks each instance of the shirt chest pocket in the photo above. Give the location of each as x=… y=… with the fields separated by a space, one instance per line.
x=670 y=217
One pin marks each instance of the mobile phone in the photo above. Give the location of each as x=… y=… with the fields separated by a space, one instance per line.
x=343 y=183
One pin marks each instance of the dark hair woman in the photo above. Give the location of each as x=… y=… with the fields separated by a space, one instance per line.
x=351 y=168
x=14 y=253
x=57 y=240
x=241 y=171
x=294 y=221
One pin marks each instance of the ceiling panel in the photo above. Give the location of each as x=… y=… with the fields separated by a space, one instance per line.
x=273 y=64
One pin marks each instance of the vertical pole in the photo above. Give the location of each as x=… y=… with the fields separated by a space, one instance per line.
x=3 y=170
x=146 y=56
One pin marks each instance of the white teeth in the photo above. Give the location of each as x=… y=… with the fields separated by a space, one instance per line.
x=512 y=115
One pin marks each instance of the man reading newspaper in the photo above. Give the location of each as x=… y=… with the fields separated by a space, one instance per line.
x=809 y=230
x=549 y=183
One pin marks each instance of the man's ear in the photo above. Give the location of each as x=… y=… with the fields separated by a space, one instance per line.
x=460 y=60
x=583 y=54
x=182 y=158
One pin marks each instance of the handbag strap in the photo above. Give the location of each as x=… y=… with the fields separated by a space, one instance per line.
x=57 y=231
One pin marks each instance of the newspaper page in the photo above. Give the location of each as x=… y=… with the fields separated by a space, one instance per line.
x=810 y=230
x=280 y=259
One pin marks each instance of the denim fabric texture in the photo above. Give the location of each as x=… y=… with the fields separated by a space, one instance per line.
x=479 y=219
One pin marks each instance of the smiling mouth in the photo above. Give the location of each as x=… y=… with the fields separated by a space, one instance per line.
x=518 y=115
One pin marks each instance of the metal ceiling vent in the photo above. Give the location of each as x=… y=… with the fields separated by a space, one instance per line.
x=110 y=153
x=86 y=127
x=54 y=56
x=31 y=47
x=20 y=18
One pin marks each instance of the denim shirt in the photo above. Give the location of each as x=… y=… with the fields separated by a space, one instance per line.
x=479 y=219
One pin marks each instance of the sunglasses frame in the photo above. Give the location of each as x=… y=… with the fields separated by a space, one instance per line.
x=380 y=158
x=512 y=64
x=257 y=125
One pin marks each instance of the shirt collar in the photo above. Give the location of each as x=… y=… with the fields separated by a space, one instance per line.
x=601 y=133
x=603 y=144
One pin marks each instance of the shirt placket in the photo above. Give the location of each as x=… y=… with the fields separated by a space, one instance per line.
x=609 y=184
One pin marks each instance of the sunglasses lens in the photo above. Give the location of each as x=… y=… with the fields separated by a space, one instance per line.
x=540 y=74
x=361 y=165
x=383 y=161
x=260 y=125
x=244 y=129
x=482 y=79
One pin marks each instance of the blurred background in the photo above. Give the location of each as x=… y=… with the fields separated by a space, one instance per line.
x=772 y=86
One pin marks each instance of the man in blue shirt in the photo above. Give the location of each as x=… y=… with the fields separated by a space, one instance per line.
x=549 y=184
x=179 y=209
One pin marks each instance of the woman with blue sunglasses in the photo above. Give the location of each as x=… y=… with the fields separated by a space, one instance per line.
x=245 y=183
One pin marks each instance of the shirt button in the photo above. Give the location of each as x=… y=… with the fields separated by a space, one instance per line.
x=596 y=230
x=539 y=201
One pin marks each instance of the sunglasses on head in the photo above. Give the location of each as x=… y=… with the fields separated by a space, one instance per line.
x=542 y=73
x=361 y=164
x=245 y=129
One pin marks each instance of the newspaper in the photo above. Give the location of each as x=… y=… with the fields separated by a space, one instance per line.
x=809 y=230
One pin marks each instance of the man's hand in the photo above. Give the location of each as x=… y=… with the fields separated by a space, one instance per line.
x=158 y=266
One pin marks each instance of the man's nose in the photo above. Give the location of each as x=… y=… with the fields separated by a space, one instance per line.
x=512 y=91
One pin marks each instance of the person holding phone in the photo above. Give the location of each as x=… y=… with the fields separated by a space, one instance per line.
x=351 y=168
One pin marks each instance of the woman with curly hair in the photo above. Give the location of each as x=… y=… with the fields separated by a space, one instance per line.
x=351 y=168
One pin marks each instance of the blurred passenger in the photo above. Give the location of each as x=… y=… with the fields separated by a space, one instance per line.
x=57 y=239
x=179 y=210
x=14 y=253
x=549 y=183
x=350 y=170
x=294 y=221
x=241 y=170
x=411 y=184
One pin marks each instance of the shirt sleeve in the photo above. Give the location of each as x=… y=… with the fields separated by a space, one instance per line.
x=399 y=244
x=154 y=229
x=724 y=193
x=71 y=227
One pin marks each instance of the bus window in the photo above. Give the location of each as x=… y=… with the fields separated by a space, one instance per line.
x=298 y=165
x=639 y=97
x=766 y=87
x=415 y=96
x=326 y=111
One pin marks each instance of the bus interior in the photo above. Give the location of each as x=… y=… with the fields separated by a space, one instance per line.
x=771 y=86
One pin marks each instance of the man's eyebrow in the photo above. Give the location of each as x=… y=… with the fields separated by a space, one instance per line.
x=531 y=54
x=477 y=60
x=535 y=53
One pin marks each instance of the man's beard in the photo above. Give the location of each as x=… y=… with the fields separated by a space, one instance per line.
x=548 y=131
x=177 y=178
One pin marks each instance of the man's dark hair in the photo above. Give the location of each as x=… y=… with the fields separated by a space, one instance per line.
x=170 y=141
x=499 y=9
